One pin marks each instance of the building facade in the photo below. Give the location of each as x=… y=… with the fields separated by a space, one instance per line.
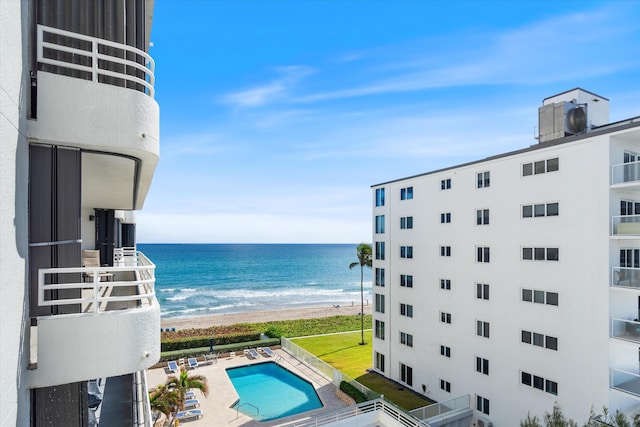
x=515 y=278
x=79 y=143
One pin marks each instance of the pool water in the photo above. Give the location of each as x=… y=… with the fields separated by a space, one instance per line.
x=273 y=390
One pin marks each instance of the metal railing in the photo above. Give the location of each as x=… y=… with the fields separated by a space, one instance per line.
x=323 y=368
x=373 y=406
x=625 y=225
x=625 y=172
x=99 y=59
x=455 y=404
x=95 y=295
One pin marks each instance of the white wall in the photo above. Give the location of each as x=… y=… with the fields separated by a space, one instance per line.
x=13 y=217
x=580 y=367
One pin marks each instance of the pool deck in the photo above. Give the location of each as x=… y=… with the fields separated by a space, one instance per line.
x=217 y=406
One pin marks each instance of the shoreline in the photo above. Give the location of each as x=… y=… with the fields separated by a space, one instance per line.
x=260 y=316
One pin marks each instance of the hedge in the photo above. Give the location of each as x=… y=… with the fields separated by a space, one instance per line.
x=173 y=344
x=353 y=392
x=191 y=352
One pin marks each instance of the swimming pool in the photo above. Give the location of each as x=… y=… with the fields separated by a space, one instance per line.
x=268 y=391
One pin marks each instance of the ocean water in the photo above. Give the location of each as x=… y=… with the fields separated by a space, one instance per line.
x=201 y=279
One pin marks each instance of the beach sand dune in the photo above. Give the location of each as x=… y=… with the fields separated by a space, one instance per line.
x=261 y=316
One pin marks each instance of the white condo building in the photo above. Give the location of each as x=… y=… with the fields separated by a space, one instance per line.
x=516 y=278
x=79 y=143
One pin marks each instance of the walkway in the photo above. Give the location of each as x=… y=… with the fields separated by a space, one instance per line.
x=217 y=406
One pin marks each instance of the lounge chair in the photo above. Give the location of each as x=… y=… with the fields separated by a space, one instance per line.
x=172 y=366
x=252 y=353
x=91 y=258
x=190 y=414
x=268 y=351
x=191 y=403
x=190 y=394
x=193 y=362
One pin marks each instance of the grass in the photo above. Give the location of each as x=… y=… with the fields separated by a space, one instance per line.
x=343 y=352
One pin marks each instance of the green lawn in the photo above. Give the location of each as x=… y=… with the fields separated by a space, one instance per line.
x=344 y=352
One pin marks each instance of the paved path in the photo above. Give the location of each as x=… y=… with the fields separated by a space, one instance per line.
x=217 y=406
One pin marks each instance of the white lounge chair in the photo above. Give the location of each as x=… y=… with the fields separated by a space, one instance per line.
x=193 y=362
x=190 y=394
x=211 y=358
x=252 y=353
x=268 y=351
x=190 y=414
x=191 y=403
x=172 y=366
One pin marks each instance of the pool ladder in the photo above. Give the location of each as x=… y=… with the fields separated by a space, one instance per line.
x=240 y=406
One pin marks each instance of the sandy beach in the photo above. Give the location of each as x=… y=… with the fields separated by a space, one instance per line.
x=261 y=316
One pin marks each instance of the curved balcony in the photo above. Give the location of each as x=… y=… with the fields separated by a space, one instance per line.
x=97 y=95
x=110 y=325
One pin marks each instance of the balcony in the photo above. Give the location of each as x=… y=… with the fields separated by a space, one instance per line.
x=625 y=381
x=98 y=96
x=625 y=175
x=627 y=330
x=108 y=322
x=625 y=277
x=625 y=226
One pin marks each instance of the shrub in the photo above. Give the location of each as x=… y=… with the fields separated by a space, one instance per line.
x=353 y=392
x=172 y=344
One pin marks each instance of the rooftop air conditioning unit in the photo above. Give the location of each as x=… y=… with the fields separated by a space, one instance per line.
x=562 y=119
x=484 y=422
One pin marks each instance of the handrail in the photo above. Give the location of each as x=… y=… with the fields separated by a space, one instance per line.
x=246 y=403
x=97 y=59
x=97 y=294
x=625 y=172
x=376 y=406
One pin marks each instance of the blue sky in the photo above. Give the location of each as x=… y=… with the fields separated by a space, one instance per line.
x=278 y=116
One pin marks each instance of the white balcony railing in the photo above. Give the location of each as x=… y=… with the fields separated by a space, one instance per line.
x=628 y=330
x=99 y=287
x=455 y=404
x=625 y=225
x=625 y=277
x=625 y=173
x=101 y=60
x=628 y=382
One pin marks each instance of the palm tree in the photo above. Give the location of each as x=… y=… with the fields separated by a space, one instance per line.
x=163 y=400
x=183 y=382
x=363 y=251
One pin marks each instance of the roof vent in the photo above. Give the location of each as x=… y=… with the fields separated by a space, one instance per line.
x=576 y=120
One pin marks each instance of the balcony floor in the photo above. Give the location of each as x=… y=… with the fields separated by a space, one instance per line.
x=632 y=386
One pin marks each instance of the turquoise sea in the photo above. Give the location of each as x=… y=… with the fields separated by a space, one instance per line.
x=201 y=279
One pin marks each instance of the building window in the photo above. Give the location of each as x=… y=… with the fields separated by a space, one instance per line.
x=406 y=193
x=379 y=361
x=484 y=179
x=380 y=250
x=539 y=340
x=406 y=339
x=406 y=251
x=483 y=253
x=379 y=224
x=445 y=184
x=540 y=210
x=445 y=385
x=482 y=365
x=379 y=304
x=379 y=196
x=379 y=327
x=445 y=351
x=482 y=328
x=482 y=404
x=482 y=216
x=445 y=317
x=445 y=218
x=379 y=276
x=482 y=291
x=406 y=222
x=540 y=254
x=406 y=374
x=540 y=297
x=445 y=250
x=445 y=284
x=541 y=166
x=406 y=310
x=406 y=280
x=538 y=382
